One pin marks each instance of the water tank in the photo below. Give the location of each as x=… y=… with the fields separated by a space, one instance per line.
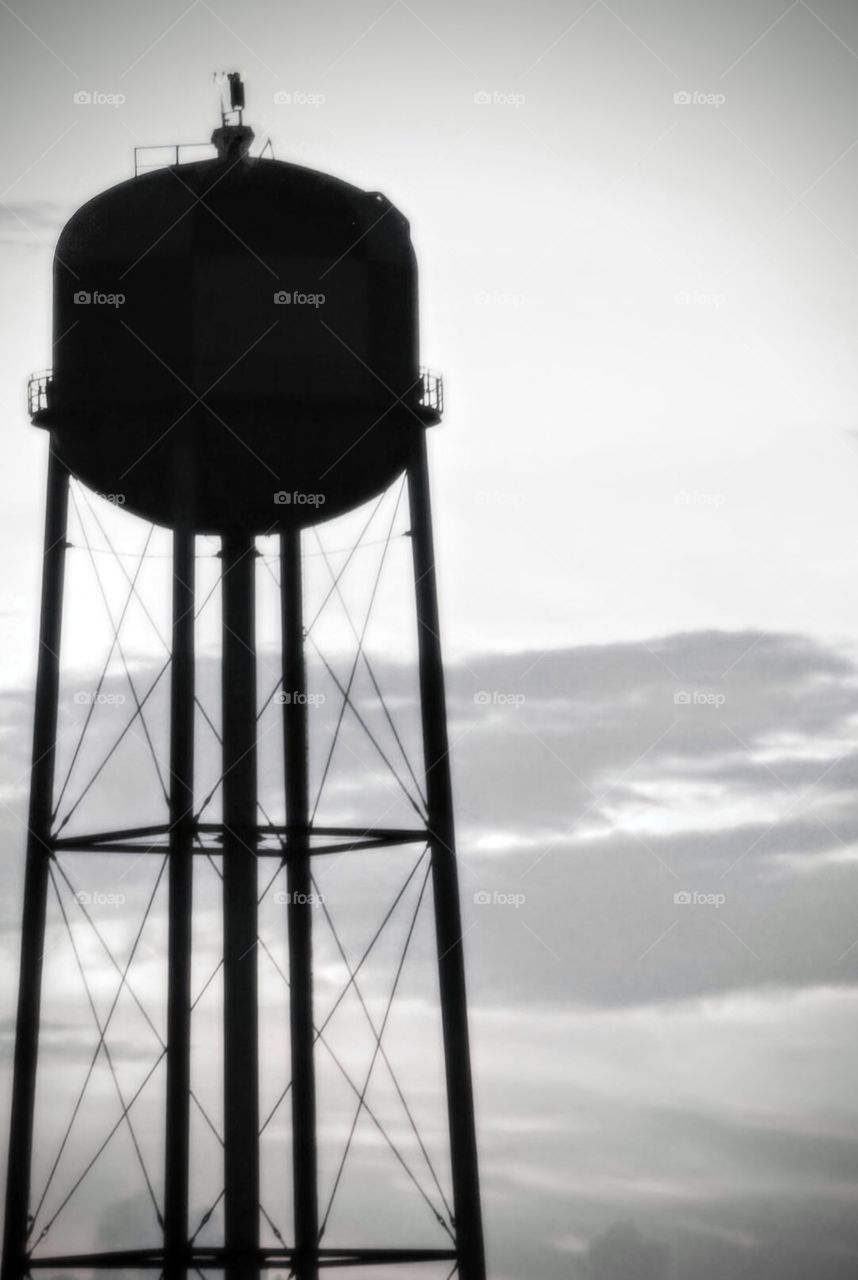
x=236 y=344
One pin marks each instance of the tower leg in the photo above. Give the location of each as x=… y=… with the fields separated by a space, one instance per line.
x=181 y=896
x=36 y=875
x=240 y=887
x=295 y=746
x=448 y=923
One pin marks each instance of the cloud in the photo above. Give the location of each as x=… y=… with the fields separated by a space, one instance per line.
x=588 y=799
x=638 y=1058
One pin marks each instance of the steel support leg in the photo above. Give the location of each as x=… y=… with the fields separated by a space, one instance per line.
x=36 y=876
x=448 y=922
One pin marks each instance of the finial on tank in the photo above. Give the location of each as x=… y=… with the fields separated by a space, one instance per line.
x=232 y=140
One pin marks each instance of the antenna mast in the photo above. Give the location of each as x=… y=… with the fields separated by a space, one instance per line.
x=233 y=138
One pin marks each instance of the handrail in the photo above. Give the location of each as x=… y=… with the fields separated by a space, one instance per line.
x=175 y=147
x=39 y=391
x=431 y=391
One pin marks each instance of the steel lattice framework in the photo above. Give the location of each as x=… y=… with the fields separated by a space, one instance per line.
x=225 y=830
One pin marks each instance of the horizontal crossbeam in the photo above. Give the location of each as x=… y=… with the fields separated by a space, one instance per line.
x=91 y=841
x=396 y=835
x=210 y=835
x=152 y=1259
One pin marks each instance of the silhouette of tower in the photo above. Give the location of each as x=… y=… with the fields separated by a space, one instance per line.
x=198 y=376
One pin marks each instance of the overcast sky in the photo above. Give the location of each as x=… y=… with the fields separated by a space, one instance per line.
x=635 y=229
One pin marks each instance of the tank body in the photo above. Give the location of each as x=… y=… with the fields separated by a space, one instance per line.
x=236 y=345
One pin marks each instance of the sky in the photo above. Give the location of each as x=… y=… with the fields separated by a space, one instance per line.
x=638 y=263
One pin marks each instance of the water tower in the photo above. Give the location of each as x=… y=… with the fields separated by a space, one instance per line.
x=221 y=397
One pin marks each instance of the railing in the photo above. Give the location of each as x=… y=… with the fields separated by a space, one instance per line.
x=39 y=391
x=431 y=391
x=170 y=153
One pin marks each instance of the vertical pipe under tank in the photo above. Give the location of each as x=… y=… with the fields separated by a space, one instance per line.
x=240 y=881
x=181 y=857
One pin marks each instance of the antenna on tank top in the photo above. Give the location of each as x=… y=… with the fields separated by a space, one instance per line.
x=232 y=140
